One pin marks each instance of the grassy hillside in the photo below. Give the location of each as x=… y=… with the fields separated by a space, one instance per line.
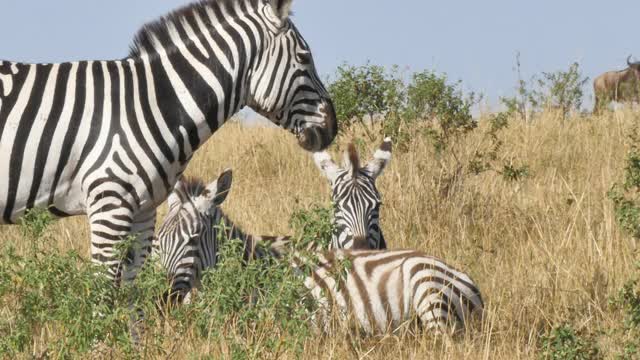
x=545 y=250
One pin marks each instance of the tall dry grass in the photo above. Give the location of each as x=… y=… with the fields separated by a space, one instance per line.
x=544 y=250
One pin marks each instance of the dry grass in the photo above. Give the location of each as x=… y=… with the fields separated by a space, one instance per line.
x=545 y=250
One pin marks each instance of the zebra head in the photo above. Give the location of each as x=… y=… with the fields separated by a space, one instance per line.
x=187 y=238
x=356 y=199
x=284 y=85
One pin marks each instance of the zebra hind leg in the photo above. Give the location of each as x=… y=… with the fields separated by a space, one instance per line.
x=438 y=316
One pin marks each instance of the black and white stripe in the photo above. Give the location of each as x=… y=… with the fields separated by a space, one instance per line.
x=110 y=138
x=187 y=240
x=356 y=199
x=382 y=289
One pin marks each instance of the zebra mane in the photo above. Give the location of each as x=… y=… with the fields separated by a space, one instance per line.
x=354 y=159
x=193 y=186
x=143 y=43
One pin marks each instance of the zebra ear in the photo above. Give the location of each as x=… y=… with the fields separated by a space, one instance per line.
x=326 y=165
x=381 y=158
x=174 y=197
x=217 y=191
x=282 y=8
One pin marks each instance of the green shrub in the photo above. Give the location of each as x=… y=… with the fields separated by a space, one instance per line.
x=70 y=298
x=313 y=226
x=33 y=225
x=628 y=298
x=431 y=97
x=366 y=90
x=264 y=300
x=562 y=90
x=625 y=196
x=565 y=343
x=524 y=103
x=626 y=203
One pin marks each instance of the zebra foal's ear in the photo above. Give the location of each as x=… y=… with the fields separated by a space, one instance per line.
x=282 y=8
x=217 y=191
x=174 y=196
x=381 y=158
x=326 y=165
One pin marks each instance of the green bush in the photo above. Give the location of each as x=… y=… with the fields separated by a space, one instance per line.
x=370 y=90
x=626 y=201
x=627 y=300
x=562 y=90
x=431 y=97
x=313 y=226
x=565 y=343
x=265 y=301
x=70 y=298
x=367 y=90
x=625 y=196
x=69 y=306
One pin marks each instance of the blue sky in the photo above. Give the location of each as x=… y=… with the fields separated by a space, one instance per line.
x=475 y=41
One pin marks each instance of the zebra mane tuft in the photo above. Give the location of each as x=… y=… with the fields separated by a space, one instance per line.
x=354 y=159
x=143 y=40
x=193 y=186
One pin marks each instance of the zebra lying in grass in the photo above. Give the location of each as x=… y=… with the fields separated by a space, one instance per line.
x=356 y=199
x=380 y=288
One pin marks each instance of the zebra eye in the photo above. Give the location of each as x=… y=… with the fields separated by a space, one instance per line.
x=304 y=57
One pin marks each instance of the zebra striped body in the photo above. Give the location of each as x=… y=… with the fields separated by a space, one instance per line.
x=381 y=289
x=109 y=139
x=356 y=199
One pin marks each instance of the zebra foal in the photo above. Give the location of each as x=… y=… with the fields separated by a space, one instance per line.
x=381 y=289
x=356 y=199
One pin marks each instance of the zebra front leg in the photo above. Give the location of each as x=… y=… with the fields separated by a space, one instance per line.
x=121 y=241
x=143 y=230
x=110 y=230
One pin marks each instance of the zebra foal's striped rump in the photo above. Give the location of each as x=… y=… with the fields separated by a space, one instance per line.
x=383 y=289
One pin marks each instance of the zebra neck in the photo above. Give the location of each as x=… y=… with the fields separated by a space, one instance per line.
x=200 y=70
x=228 y=229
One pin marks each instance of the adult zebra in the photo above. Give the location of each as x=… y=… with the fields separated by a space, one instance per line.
x=381 y=289
x=356 y=199
x=109 y=139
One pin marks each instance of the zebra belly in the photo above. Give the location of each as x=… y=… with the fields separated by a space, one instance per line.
x=61 y=202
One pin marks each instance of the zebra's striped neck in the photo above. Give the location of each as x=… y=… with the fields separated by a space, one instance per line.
x=204 y=54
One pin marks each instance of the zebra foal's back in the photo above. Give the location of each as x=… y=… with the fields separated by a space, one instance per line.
x=382 y=289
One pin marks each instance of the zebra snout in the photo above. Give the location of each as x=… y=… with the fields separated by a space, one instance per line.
x=319 y=136
x=311 y=139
